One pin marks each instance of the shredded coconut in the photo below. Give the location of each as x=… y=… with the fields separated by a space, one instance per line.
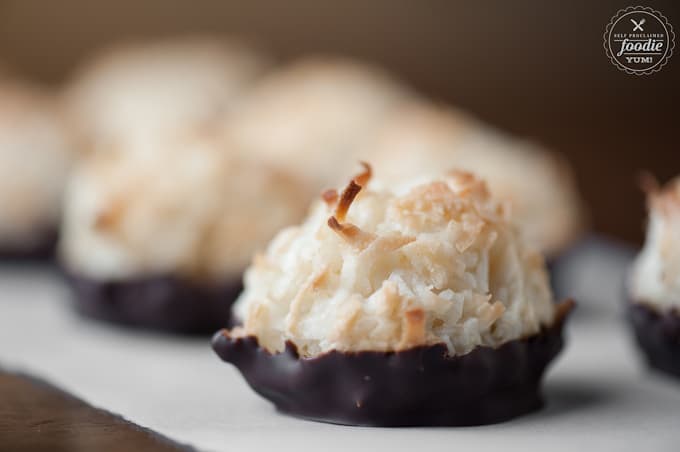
x=438 y=264
x=200 y=211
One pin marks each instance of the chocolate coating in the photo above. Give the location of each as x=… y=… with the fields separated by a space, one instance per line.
x=658 y=335
x=42 y=249
x=553 y=264
x=419 y=386
x=164 y=303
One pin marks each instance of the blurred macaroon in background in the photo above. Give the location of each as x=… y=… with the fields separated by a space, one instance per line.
x=36 y=155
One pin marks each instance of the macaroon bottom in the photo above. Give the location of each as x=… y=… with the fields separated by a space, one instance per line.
x=163 y=303
x=421 y=386
x=658 y=336
x=41 y=248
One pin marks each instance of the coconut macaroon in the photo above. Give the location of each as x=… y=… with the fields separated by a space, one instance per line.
x=143 y=90
x=393 y=272
x=654 y=287
x=163 y=242
x=425 y=140
x=35 y=157
x=315 y=110
x=417 y=301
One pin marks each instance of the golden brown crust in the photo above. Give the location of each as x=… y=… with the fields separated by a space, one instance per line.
x=413 y=328
x=348 y=194
x=664 y=199
x=348 y=231
x=109 y=217
x=364 y=177
x=330 y=197
x=351 y=233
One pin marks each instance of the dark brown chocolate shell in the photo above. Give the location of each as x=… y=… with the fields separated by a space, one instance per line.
x=658 y=335
x=164 y=303
x=422 y=386
x=41 y=249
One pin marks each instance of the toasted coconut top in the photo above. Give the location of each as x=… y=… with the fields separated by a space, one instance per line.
x=35 y=156
x=199 y=211
x=425 y=140
x=375 y=270
x=656 y=272
x=311 y=114
x=142 y=90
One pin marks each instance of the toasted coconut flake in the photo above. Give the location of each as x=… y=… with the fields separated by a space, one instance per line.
x=392 y=299
x=109 y=217
x=351 y=233
x=334 y=224
x=348 y=194
x=330 y=197
x=490 y=312
x=413 y=328
x=387 y=244
x=320 y=278
x=364 y=177
x=301 y=303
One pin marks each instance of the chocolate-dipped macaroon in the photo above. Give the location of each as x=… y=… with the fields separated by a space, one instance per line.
x=35 y=157
x=162 y=242
x=315 y=110
x=141 y=90
x=384 y=308
x=654 y=287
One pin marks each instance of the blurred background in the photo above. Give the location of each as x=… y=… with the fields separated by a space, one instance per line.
x=535 y=69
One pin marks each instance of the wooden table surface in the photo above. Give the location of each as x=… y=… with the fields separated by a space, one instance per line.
x=35 y=417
